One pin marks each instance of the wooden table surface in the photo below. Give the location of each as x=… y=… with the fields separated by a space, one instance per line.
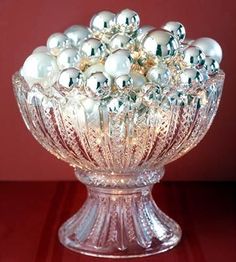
x=31 y=213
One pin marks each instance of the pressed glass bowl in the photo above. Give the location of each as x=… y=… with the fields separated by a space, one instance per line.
x=118 y=154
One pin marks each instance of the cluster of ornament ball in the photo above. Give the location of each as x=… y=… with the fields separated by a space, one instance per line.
x=115 y=56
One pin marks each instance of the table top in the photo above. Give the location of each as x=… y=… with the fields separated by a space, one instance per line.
x=32 y=212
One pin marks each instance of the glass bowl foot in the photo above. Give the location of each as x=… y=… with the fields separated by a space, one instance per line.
x=119 y=224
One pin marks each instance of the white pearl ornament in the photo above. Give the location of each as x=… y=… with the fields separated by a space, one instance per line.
x=41 y=49
x=138 y=80
x=40 y=68
x=210 y=48
x=117 y=64
x=124 y=52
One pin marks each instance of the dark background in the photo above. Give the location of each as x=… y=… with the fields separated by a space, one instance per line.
x=26 y=24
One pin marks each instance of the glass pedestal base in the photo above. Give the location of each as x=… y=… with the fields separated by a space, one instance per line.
x=120 y=223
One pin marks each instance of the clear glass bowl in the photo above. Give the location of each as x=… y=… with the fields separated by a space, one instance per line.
x=118 y=147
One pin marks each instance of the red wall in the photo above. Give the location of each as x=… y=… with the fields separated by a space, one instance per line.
x=26 y=24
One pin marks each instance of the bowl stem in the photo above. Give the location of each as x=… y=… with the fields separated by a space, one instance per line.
x=119 y=223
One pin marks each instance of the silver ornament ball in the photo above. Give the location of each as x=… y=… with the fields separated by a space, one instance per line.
x=210 y=48
x=194 y=56
x=190 y=77
x=160 y=43
x=187 y=42
x=204 y=73
x=139 y=80
x=77 y=33
x=99 y=67
x=98 y=85
x=103 y=22
x=128 y=21
x=212 y=66
x=57 y=42
x=124 y=52
x=69 y=57
x=41 y=49
x=159 y=74
x=143 y=31
x=124 y=83
x=70 y=78
x=93 y=49
x=177 y=29
x=121 y=41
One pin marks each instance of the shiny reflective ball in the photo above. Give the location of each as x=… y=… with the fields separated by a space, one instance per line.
x=211 y=65
x=159 y=74
x=70 y=78
x=190 y=77
x=69 y=57
x=194 y=56
x=99 y=67
x=98 y=85
x=41 y=49
x=93 y=49
x=160 y=43
x=139 y=80
x=103 y=22
x=204 y=73
x=121 y=41
x=57 y=42
x=143 y=31
x=117 y=64
x=128 y=21
x=187 y=42
x=124 y=82
x=40 y=68
x=177 y=29
x=124 y=52
x=77 y=33
x=210 y=48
